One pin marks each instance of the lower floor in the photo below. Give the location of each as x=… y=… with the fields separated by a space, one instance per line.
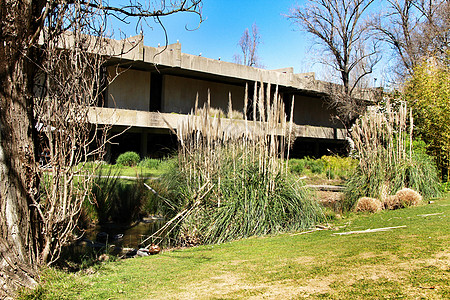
x=159 y=143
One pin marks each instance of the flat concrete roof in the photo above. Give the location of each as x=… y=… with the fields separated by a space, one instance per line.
x=132 y=52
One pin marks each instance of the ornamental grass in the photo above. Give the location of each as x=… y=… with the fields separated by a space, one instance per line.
x=387 y=160
x=367 y=204
x=232 y=180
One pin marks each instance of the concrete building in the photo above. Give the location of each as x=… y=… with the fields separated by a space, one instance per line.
x=150 y=87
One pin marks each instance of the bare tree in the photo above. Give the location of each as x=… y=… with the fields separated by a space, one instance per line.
x=414 y=29
x=49 y=77
x=340 y=30
x=249 y=46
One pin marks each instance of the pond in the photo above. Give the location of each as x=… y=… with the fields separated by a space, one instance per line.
x=122 y=236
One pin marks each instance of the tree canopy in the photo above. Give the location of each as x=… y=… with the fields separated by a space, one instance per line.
x=428 y=93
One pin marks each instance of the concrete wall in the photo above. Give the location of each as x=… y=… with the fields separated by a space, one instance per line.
x=179 y=94
x=312 y=111
x=130 y=89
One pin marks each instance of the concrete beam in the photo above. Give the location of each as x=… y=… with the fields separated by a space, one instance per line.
x=142 y=119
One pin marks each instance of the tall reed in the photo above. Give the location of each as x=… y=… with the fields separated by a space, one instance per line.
x=232 y=180
x=387 y=161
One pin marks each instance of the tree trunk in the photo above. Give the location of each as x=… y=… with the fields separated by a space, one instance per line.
x=18 y=183
x=19 y=227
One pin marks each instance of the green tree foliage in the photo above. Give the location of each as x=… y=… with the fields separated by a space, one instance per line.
x=428 y=93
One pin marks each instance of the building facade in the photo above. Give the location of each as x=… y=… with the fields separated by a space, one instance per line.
x=150 y=89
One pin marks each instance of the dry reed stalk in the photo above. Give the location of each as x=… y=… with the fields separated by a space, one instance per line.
x=205 y=140
x=380 y=138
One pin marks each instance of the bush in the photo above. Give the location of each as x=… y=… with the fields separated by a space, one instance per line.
x=297 y=165
x=315 y=165
x=231 y=181
x=341 y=167
x=366 y=204
x=408 y=197
x=331 y=166
x=392 y=202
x=305 y=165
x=130 y=159
x=241 y=206
x=445 y=187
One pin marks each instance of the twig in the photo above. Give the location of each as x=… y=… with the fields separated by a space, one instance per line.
x=318 y=228
x=427 y=287
x=427 y=215
x=369 y=230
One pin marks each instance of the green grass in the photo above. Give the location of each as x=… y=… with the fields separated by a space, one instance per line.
x=132 y=171
x=140 y=171
x=405 y=263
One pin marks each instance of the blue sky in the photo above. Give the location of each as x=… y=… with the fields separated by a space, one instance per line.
x=283 y=45
x=225 y=21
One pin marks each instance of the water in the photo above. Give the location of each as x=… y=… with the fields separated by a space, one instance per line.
x=111 y=234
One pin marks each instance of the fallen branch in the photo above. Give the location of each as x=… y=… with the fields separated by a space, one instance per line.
x=327 y=188
x=427 y=215
x=427 y=287
x=369 y=230
x=318 y=228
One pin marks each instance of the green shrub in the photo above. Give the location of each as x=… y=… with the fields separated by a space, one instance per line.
x=150 y=163
x=331 y=166
x=315 y=165
x=297 y=165
x=445 y=187
x=129 y=158
x=306 y=165
x=341 y=167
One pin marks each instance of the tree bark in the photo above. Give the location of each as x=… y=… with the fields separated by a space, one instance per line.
x=18 y=184
x=18 y=181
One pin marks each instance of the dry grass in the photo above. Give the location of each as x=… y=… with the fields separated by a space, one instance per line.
x=367 y=204
x=392 y=202
x=403 y=198
x=409 y=197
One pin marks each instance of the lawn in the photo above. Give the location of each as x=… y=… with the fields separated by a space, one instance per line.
x=411 y=262
x=131 y=171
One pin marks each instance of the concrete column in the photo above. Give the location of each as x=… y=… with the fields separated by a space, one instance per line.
x=107 y=156
x=316 y=149
x=144 y=137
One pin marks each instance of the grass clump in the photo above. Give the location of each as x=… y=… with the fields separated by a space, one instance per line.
x=129 y=158
x=150 y=163
x=367 y=204
x=388 y=161
x=403 y=198
x=231 y=180
x=409 y=197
